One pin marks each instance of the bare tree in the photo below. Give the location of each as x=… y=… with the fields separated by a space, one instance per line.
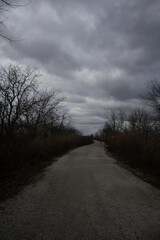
x=47 y=112
x=115 y=120
x=5 y=8
x=18 y=94
x=140 y=121
x=153 y=95
x=25 y=108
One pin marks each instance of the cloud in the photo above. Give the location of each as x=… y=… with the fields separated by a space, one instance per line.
x=100 y=54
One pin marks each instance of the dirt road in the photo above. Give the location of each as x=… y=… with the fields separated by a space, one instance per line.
x=85 y=195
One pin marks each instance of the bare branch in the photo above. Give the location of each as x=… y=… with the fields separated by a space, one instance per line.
x=6 y=6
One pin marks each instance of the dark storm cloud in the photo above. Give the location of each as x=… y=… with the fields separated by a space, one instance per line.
x=121 y=90
x=100 y=53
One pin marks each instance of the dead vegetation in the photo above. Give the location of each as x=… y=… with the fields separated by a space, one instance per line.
x=134 y=138
x=34 y=124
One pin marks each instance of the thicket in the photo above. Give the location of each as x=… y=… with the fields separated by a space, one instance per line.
x=135 y=136
x=34 y=125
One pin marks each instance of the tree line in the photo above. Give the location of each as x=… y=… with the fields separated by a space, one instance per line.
x=34 y=123
x=135 y=136
x=27 y=110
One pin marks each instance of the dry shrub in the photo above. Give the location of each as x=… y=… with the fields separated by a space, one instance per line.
x=26 y=152
x=138 y=150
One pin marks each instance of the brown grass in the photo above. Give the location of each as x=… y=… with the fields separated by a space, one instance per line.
x=25 y=152
x=138 y=153
x=23 y=159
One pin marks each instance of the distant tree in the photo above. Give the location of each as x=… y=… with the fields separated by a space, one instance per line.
x=46 y=113
x=140 y=121
x=153 y=95
x=115 y=121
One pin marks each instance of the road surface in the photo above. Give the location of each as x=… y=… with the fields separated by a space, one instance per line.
x=84 y=195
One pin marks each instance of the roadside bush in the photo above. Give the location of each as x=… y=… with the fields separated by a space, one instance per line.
x=34 y=124
x=26 y=152
x=136 y=150
x=137 y=141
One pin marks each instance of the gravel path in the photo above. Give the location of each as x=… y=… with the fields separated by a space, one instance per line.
x=85 y=195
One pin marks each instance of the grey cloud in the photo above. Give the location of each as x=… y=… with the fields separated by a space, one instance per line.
x=45 y=52
x=122 y=89
x=83 y=44
x=76 y=99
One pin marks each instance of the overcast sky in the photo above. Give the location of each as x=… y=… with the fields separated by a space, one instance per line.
x=99 y=53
